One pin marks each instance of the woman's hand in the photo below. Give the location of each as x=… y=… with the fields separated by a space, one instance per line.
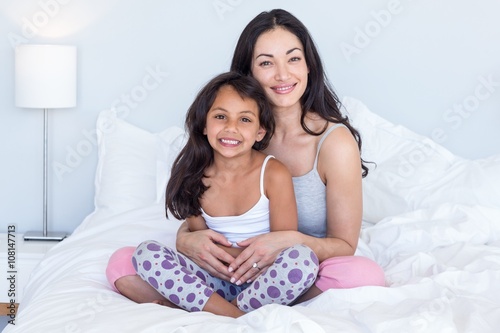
x=261 y=250
x=200 y=246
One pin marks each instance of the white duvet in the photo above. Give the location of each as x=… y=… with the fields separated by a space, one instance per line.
x=435 y=232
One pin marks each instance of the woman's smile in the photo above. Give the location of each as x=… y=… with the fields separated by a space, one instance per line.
x=284 y=89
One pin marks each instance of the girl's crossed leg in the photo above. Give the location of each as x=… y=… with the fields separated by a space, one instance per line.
x=188 y=286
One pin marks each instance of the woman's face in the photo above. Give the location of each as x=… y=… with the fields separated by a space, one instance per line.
x=279 y=64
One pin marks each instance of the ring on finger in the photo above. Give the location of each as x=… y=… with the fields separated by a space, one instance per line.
x=256 y=265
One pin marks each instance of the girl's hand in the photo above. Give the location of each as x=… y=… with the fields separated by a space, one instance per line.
x=261 y=250
x=200 y=246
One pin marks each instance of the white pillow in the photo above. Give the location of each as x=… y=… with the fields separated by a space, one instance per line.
x=413 y=172
x=170 y=144
x=126 y=175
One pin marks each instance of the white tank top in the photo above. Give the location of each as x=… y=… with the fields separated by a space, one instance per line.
x=252 y=223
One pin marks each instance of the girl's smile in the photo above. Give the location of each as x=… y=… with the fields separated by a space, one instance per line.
x=229 y=142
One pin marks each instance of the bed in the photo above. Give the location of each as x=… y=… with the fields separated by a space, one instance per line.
x=431 y=220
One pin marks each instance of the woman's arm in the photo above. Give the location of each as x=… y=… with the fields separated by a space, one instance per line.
x=263 y=250
x=339 y=165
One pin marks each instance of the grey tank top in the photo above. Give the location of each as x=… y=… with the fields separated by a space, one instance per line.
x=310 y=194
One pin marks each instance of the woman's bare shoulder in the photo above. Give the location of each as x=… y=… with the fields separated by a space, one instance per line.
x=339 y=151
x=340 y=138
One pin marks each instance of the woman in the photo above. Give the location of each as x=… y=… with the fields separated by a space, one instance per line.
x=318 y=146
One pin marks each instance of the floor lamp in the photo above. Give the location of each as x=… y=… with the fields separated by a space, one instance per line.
x=45 y=78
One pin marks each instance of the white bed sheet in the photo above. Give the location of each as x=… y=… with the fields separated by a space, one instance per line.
x=442 y=266
x=435 y=232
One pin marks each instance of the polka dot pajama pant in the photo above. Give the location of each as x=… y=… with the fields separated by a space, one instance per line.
x=188 y=286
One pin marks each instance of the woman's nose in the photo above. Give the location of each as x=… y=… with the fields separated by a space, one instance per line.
x=282 y=73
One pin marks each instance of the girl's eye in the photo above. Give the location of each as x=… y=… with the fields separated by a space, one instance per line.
x=294 y=59
x=246 y=120
x=265 y=63
x=219 y=116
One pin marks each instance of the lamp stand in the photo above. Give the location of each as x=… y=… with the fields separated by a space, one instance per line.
x=45 y=234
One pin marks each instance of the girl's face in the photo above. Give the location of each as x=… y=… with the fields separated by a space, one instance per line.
x=232 y=125
x=279 y=64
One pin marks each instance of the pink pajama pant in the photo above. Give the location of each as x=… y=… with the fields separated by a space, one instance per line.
x=349 y=272
x=334 y=273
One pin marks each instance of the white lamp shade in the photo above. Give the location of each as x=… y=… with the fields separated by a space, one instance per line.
x=45 y=76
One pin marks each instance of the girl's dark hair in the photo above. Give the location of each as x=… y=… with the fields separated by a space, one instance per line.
x=318 y=97
x=185 y=186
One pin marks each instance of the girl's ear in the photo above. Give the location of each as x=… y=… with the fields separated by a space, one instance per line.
x=260 y=134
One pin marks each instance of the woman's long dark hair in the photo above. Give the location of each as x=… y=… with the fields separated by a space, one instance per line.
x=185 y=186
x=318 y=97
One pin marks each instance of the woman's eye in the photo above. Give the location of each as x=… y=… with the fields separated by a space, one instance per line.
x=265 y=63
x=294 y=59
x=219 y=116
x=246 y=120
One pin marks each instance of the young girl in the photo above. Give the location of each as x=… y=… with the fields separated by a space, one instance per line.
x=221 y=181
